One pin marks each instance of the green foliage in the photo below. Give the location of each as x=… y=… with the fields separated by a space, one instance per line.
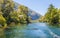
x=20 y=15
x=2 y=19
x=7 y=7
x=9 y=14
x=24 y=12
x=52 y=15
x=14 y=17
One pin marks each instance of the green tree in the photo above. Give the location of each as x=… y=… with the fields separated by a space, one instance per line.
x=52 y=15
x=59 y=15
x=48 y=15
x=7 y=6
x=2 y=20
x=24 y=12
x=14 y=17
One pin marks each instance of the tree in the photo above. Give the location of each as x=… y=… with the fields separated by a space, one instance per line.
x=59 y=15
x=52 y=15
x=6 y=7
x=24 y=11
x=2 y=20
x=14 y=17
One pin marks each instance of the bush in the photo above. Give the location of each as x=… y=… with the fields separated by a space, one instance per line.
x=2 y=20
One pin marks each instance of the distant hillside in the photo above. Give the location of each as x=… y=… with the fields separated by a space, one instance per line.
x=34 y=15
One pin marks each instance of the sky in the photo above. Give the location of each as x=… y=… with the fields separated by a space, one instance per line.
x=40 y=6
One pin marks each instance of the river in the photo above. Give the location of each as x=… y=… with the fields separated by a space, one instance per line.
x=33 y=30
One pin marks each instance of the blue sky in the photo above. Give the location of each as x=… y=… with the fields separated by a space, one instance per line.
x=40 y=6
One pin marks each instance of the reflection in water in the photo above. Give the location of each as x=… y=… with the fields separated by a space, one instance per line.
x=54 y=25
x=14 y=32
x=34 y=30
x=2 y=34
x=9 y=33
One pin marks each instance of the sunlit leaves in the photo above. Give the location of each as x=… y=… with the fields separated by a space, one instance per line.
x=52 y=15
x=2 y=19
x=8 y=14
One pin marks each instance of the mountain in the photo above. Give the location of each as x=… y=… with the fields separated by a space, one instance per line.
x=34 y=15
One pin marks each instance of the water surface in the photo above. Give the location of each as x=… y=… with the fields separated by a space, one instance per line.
x=33 y=30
